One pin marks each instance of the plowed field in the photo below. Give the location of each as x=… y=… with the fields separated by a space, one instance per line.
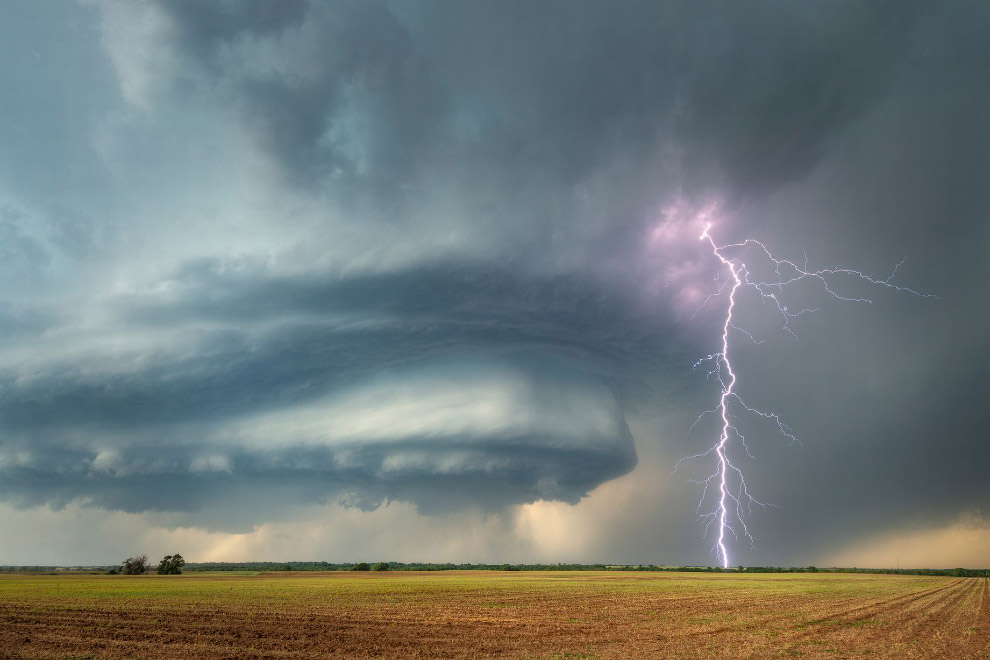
x=477 y=615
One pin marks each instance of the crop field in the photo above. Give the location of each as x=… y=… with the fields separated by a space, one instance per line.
x=498 y=614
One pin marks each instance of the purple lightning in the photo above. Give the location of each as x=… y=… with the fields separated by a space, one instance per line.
x=734 y=499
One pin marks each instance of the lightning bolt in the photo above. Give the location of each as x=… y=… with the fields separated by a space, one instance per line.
x=734 y=502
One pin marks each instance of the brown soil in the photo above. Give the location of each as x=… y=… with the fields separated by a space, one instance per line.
x=498 y=618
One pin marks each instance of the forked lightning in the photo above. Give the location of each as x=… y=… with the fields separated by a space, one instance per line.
x=734 y=500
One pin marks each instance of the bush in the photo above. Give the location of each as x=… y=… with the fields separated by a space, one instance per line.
x=380 y=566
x=171 y=565
x=135 y=565
x=361 y=567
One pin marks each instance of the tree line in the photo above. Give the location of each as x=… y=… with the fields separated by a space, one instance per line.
x=174 y=565
x=169 y=565
x=418 y=566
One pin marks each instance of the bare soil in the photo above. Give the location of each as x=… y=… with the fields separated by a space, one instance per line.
x=472 y=615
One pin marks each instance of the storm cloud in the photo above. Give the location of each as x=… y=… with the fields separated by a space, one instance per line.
x=364 y=388
x=257 y=258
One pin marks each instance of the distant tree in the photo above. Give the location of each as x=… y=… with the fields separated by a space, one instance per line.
x=362 y=567
x=812 y=569
x=287 y=567
x=380 y=566
x=135 y=565
x=171 y=565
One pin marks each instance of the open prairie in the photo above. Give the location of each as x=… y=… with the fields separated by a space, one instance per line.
x=474 y=614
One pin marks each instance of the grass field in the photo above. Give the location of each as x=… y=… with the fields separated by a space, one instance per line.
x=474 y=614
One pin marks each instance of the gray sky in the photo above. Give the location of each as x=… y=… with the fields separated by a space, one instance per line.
x=352 y=280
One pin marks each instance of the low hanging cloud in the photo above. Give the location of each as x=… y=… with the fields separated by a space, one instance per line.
x=445 y=437
x=448 y=387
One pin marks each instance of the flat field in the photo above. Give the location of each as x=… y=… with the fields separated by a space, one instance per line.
x=478 y=615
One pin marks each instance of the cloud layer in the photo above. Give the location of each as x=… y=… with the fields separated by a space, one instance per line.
x=259 y=258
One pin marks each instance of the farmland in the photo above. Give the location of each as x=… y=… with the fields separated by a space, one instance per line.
x=483 y=614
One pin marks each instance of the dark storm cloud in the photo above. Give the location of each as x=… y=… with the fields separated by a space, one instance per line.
x=590 y=313
x=142 y=438
x=752 y=91
x=444 y=477
x=343 y=61
x=328 y=331
x=204 y=26
x=432 y=277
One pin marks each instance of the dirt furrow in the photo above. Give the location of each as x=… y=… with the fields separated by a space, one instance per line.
x=983 y=614
x=934 y=628
x=750 y=618
x=928 y=624
x=861 y=612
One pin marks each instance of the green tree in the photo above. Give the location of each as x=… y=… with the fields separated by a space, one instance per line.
x=380 y=566
x=135 y=565
x=361 y=567
x=171 y=565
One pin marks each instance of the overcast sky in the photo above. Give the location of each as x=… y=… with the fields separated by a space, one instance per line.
x=385 y=280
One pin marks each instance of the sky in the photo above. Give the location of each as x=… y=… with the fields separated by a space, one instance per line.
x=361 y=281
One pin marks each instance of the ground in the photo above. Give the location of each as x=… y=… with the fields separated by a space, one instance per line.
x=506 y=615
